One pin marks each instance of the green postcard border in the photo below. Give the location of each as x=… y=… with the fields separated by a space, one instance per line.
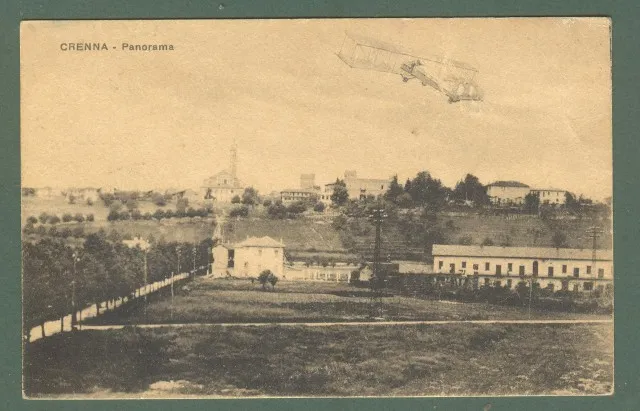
x=626 y=107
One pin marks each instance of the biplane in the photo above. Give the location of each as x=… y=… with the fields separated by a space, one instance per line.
x=453 y=78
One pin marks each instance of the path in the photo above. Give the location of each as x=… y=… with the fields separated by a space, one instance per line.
x=352 y=323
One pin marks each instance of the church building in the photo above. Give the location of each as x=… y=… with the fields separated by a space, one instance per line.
x=222 y=187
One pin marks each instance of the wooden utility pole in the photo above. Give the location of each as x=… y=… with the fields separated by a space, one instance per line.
x=377 y=216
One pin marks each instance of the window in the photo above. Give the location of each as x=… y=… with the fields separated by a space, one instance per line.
x=550 y=271
x=550 y=287
x=440 y=264
x=497 y=284
x=521 y=270
x=564 y=269
x=276 y=252
x=600 y=272
x=509 y=283
x=588 y=269
x=576 y=272
x=464 y=264
x=509 y=267
x=475 y=267
x=486 y=281
x=487 y=266
x=587 y=286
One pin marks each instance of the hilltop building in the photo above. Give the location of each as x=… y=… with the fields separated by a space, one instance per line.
x=507 y=192
x=358 y=188
x=308 y=191
x=225 y=185
x=553 y=268
x=550 y=195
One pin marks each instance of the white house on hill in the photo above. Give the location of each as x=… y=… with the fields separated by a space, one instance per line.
x=249 y=258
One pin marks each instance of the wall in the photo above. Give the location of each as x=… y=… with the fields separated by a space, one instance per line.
x=251 y=261
x=507 y=194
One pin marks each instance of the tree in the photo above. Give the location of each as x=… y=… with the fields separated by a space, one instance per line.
x=427 y=191
x=250 y=196
x=158 y=214
x=319 y=207
x=90 y=217
x=239 y=211
x=571 y=203
x=54 y=219
x=236 y=200
x=113 y=216
x=559 y=239
x=340 y=194
x=131 y=204
x=487 y=242
x=32 y=220
x=267 y=202
x=470 y=189
x=531 y=203
x=267 y=277
x=159 y=199
x=66 y=217
x=79 y=217
x=43 y=217
x=277 y=210
x=394 y=191
x=181 y=205
x=296 y=208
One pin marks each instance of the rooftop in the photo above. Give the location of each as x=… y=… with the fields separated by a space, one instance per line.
x=508 y=184
x=541 y=253
x=260 y=242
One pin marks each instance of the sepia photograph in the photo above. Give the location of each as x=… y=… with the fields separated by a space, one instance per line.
x=250 y=208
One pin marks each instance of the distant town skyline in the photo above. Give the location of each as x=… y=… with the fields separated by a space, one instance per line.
x=136 y=120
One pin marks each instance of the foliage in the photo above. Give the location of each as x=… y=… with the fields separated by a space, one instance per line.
x=250 y=196
x=236 y=200
x=319 y=207
x=239 y=211
x=394 y=191
x=470 y=189
x=340 y=194
x=559 y=240
x=531 y=203
x=32 y=220
x=487 y=242
x=296 y=208
x=106 y=269
x=427 y=191
x=267 y=277
x=277 y=210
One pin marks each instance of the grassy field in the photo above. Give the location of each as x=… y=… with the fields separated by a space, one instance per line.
x=220 y=300
x=434 y=360
x=299 y=234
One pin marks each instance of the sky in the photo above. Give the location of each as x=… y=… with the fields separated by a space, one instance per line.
x=142 y=120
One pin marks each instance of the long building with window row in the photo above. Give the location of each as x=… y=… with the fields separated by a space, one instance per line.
x=553 y=268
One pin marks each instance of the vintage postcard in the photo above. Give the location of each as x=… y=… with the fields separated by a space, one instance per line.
x=317 y=208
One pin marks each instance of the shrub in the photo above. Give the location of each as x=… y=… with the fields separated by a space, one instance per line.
x=159 y=200
x=169 y=214
x=241 y=211
x=147 y=216
x=67 y=218
x=78 y=217
x=44 y=217
x=136 y=215
x=319 y=207
x=66 y=232
x=277 y=210
x=125 y=215
x=267 y=277
x=159 y=214
x=487 y=241
x=90 y=217
x=40 y=230
x=54 y=219
x=78 y=232
x=113 y=215
x=296 y=208
x=267 y=202
x=236 y=199
x=32 y=220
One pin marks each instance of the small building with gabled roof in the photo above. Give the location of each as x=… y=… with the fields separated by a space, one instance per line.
x=249 y=258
